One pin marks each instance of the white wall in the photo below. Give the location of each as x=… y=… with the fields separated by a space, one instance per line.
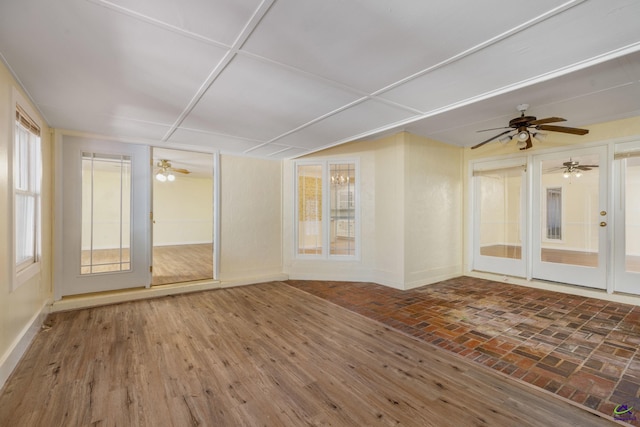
x=21 y=310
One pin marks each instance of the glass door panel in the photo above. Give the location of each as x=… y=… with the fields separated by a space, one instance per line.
x=570 y=217
x=499 y=207
x=106 y=213
x=627 y=237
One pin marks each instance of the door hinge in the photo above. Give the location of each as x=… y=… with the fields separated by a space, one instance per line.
x=151 y=269
x=151 y=216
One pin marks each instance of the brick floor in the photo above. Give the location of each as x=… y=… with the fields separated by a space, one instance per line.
x=583 y=349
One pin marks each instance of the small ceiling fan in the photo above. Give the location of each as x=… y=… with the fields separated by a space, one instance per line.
x=165 y=171
x=523 y=128
x=572 y=168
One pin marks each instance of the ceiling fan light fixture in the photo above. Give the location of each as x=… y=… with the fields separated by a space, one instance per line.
x=523 y=136
x=171 y=177
x=540 y=136
x=521 y=143
x=566 y=174
x=578 y=174
x=161 y=177
x=504 y=139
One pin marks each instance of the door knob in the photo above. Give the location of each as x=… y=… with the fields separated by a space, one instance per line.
x=603 y=224
x=603 y=213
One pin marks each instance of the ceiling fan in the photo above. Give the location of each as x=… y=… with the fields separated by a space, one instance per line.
x=165 y=171
x=572 y=168
x=523 y=128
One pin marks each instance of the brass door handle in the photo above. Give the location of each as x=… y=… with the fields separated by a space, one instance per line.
x=603 y=224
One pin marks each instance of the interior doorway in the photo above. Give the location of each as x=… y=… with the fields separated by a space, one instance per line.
x=182 y=216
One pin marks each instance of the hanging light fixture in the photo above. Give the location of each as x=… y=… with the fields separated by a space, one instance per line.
x=164 y=173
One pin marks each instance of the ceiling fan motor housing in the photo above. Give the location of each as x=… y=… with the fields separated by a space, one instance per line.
x=522 y=121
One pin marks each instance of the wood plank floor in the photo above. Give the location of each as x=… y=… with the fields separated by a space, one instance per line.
x=267 y=355
x=182 y=263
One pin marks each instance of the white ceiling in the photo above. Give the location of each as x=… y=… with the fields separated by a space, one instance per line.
x=282 y=78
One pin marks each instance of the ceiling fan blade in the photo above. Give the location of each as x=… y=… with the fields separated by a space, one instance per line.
x=564 y=129
x=490 y=139
x=184 y=171
x=503 y=127
x=547 y=120
x=588 y=166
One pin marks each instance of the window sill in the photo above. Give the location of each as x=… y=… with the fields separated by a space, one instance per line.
x=26 y=274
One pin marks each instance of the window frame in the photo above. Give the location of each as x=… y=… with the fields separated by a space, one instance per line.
x=325 y=254
x=24 y=271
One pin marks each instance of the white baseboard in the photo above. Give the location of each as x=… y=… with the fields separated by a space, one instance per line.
x=12 y=356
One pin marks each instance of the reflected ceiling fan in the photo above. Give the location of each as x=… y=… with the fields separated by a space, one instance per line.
x=524 y=128
x=165 y=171
x=572 y=168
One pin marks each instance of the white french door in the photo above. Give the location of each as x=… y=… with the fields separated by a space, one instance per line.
x=627 y=219
x=105 y=216
x=499 y=206
x=570 y=219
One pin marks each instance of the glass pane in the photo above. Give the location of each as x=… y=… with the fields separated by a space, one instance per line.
x=632 y=214
x=343 y=209
x=570 y=211
x=25 y=228
x=500 y=213
x=106 y=213
x=310 y=209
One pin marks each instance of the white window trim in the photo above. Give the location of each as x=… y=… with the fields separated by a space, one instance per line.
x=326 y=210
x=20 y=277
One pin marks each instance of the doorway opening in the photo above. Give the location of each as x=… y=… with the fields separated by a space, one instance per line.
x=182 y=216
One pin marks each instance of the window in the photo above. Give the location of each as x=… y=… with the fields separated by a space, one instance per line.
x=326 y=210
x=554 y=213
x=27 y=176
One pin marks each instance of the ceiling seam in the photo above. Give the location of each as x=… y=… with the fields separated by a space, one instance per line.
x=632 y=48
x=422 y=114
x=248 y=29
x=158 y=23
x=549 y=14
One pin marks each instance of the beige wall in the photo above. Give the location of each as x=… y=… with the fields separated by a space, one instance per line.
x=183 y=211
x=433 y=211
x=251 y=218
x=21 y=311
x=410 y=224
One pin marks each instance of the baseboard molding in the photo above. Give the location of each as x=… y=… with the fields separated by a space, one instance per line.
x=77 y=302
x=12 y=356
